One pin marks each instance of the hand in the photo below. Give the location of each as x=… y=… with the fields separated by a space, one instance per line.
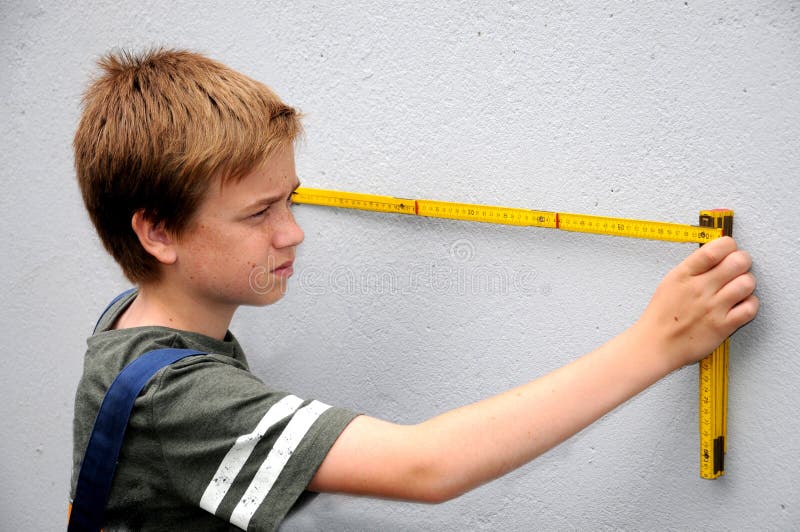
x=700 y=302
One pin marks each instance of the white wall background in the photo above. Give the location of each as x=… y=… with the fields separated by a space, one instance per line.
x=636 y=109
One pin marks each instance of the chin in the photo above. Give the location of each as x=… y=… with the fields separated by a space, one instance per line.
x=273 y=296
x=264 y=291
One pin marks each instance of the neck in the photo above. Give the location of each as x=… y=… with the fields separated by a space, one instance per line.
x=157 y=304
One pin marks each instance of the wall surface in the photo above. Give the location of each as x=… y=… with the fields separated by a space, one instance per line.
x=649 y=110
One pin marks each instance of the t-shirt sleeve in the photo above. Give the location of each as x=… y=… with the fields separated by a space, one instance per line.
x=236 y=448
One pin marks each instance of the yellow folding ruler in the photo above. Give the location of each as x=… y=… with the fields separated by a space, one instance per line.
x=713 y=224
x=713 y=399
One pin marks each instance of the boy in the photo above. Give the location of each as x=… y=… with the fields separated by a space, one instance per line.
x=187 y=170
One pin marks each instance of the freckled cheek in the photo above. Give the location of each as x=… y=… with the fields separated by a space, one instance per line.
x=228 y=258
x=211 y=254
x=247 y=269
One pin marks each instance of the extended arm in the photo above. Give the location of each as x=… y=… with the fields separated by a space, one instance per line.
x=698 y=304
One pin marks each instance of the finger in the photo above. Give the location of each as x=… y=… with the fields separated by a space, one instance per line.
x=731 y=267
x=709 y=255
x=744 y=312
x=737 y=290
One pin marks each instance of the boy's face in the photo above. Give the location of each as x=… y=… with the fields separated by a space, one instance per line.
x=241 y=242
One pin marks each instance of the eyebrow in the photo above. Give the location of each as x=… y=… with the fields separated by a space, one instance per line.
x=270 y=199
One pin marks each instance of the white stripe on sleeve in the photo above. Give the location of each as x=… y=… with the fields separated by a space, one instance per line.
x=272 y=466
x=241 y=450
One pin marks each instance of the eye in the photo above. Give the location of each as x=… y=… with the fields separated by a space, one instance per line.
x=260 y=213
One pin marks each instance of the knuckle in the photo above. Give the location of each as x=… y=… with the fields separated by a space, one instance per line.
x=747 y=315
x=711 y=255
x=742 y=286
x=748 y=309
x=729 y=243
x=736 y=262
x=750 y=282
x=755 y=304
x=747 y=258
x=741 y=261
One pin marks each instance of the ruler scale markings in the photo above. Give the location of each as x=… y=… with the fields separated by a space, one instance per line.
x=713 y=381
x=583 y=223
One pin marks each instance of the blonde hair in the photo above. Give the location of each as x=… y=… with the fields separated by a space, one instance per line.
x=156 y=130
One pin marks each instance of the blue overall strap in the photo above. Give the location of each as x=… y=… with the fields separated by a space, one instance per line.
x=100 y=460
x=123 y=294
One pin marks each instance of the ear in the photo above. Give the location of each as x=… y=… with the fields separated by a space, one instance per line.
x=154 y=238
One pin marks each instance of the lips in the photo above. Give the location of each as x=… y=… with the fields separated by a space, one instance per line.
x=284 y=270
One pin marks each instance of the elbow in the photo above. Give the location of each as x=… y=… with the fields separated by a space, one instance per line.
x=441 y=495
x=434 y=477
x=431 y=492
x=435 y=492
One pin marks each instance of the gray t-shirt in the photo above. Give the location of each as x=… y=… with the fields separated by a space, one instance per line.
x=208 y=446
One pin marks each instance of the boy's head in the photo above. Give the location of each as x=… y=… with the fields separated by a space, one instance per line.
x=157 y=129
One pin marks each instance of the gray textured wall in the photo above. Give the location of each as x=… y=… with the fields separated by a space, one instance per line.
x=649 y=109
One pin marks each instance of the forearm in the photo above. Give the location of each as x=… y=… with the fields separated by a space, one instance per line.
x=456 y=451
x=510 y=429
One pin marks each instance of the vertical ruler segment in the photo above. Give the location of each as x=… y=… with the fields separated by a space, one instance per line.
x=713 y=385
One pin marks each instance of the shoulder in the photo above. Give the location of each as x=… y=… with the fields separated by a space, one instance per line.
x=207 y=377
x=242 y=450
x=215 y=395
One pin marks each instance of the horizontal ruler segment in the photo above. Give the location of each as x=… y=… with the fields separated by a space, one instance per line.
x=352 y=200
x=582 y=223
x=486 y=213
x=604 y=225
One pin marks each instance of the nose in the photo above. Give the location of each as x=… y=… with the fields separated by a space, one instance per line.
x=289 y=233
